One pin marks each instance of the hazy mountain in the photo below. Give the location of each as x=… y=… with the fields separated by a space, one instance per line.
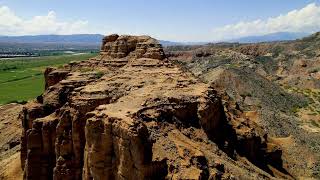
x=279 y=36
x=95 y=39
x=169 y=43
x=71 y=39
x=77 y=38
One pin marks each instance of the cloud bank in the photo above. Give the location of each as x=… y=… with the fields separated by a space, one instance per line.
x=305 y=20
x=11 y=24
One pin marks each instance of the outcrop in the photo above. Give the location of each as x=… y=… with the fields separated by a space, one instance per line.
x=129 y=113
x=275 y=85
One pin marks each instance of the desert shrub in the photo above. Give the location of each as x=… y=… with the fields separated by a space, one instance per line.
x=314 y=123
x=86 y=69
x=314 y=70
x=99 y=74
x=277 y=50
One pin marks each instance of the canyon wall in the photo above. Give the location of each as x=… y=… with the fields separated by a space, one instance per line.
x=129 y=113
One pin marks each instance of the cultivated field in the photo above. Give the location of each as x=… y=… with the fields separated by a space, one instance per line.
x=22 y=79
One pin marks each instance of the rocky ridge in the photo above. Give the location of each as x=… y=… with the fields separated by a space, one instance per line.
x=131 y=114
x=275 y=85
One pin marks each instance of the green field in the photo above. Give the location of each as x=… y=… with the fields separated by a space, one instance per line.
x=21 y=79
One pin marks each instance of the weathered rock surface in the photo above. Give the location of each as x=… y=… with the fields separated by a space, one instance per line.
x=10 y=131
x=131 y=114
x=269 y=85
x=115 y=46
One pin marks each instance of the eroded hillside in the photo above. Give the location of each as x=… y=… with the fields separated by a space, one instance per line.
x=276 y=85
x=132 y=114
x=226 y=111
x=10 y=132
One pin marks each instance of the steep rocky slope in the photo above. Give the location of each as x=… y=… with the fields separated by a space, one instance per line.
x=10 y=132
x=275 y=85
x=131 y=114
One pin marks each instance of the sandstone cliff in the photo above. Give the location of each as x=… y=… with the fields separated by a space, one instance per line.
x=131 y=114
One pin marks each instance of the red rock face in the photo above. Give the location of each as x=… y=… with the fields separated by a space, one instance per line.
x=144 y=118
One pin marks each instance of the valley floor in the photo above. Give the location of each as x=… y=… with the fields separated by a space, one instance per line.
x=21 y=79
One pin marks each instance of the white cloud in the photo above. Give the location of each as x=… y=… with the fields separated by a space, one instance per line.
x=306 y=20
x=11 y=24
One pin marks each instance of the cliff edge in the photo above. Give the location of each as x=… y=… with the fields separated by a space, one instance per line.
x=131 y=114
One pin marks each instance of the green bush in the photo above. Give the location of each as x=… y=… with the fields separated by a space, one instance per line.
x=99 y=74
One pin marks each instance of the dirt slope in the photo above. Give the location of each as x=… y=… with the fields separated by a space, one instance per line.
x=276 y=85
x=10 y=132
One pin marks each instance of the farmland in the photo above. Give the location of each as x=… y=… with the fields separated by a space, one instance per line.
x=21 y=79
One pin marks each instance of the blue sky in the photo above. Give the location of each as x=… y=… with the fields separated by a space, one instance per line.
x=177 y=20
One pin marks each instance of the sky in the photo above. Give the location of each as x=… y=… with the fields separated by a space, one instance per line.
x=174 y=20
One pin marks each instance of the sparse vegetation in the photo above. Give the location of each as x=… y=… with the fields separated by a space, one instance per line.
x=314 y=123
x=246 y=94
x=276 y=51
x=314 y=70
x=295 y=110
x=86 y=69
x=99 y=74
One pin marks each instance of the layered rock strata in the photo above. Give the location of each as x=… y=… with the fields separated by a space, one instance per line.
x=131 y=114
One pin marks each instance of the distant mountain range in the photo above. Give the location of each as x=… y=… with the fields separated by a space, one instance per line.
x=77 y=38
x=95 y=39
x=279 y=36
x=169 y=43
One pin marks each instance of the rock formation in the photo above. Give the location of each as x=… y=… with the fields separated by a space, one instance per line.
x=131 y=114
x=116 y=46
x=268 y=86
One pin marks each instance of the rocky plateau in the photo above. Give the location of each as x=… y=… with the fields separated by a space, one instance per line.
x=137 y=111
